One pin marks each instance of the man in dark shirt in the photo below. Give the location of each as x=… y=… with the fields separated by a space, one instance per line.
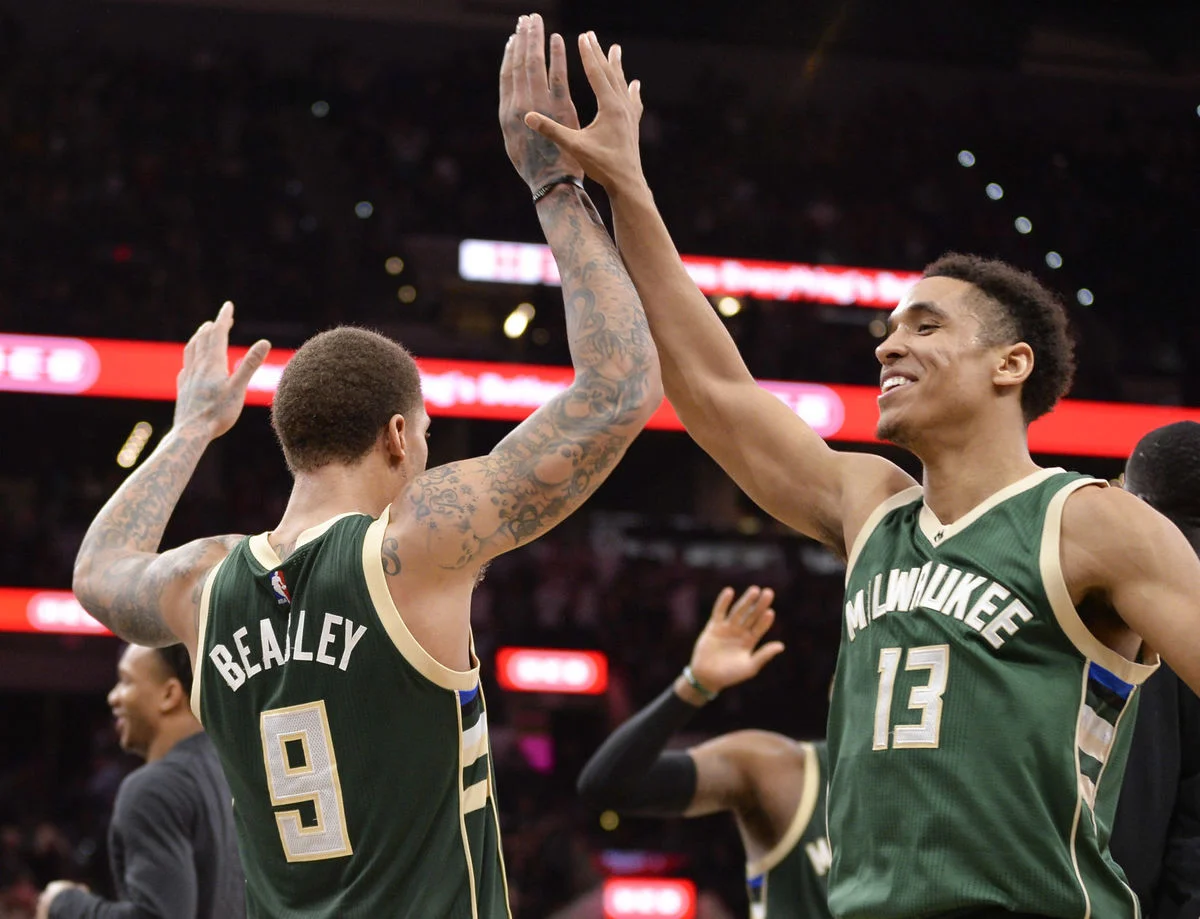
x=1156 y=835
x=172 y=841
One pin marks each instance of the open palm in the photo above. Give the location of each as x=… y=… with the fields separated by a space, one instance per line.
x=725 y=654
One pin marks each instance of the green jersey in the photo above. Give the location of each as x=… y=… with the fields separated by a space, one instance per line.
x=791 y=881
x=978 y=730
x=360 y=766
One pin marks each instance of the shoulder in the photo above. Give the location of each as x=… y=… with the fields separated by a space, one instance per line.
x=763 y=754
x=158 y=789
x=1106 y=532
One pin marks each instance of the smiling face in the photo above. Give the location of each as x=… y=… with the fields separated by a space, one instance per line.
x=137 y=698
x=939 y=368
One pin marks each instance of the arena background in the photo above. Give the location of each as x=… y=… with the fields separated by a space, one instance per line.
x=319 y=162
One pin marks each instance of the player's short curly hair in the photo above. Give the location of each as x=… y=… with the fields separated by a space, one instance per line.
x=1021 y=310
x=177 y=664
x=337 y=394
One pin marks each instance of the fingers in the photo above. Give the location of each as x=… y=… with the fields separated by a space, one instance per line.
x=765 y=654
x=535 y=56
x=614 y=70
x=720 y=607
x=761 y=625
x=558 y=68
x=635 y=96
x=595 y=67
x=506 y=77
x=520 y=84
x=750 y=604
x=254 y=358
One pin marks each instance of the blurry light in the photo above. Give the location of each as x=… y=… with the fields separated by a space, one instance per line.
x=518 y=320
x=394 y=265
x=1024 y=225
x=994 y=191
x=966 y=158
x=134 y=444
x=729 y=306
x=1053 y=259
x=540 y=336
x=364 y=209
x=877 y=327
x=1198 y=109
x=1084 y=296
x=609 y=821
x=320 y=108
x=122 y=252
x=406 y=294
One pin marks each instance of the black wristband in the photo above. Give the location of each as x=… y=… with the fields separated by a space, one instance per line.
x=549 y=186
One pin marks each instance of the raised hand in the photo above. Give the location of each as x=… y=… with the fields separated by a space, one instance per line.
x=725 y=653
x=207 y=394
x=608 y=147
x=525 y=86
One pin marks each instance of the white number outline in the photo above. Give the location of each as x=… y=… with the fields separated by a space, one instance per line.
x=927 y=698
x=315 y=780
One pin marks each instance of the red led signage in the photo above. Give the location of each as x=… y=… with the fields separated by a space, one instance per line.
x=545 y=670
x=510 y=392
x=649 y=898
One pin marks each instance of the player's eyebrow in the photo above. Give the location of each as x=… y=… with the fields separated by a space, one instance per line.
x=923 y=308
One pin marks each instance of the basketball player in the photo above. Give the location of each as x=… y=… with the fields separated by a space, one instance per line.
x=995 y=614
x=334 y=662
x=1156 y=838
x=172 y=842
x=773 y=786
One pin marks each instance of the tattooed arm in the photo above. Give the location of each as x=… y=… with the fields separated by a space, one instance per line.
x=461 y=515
x=120 y=577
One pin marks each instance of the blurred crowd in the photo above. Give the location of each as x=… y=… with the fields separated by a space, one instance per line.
x=140 y=190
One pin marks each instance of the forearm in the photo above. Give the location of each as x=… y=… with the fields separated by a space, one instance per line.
x=121 y=543
x=611 y=348
x=81 y=904
x=696 y=349
x=631 y=772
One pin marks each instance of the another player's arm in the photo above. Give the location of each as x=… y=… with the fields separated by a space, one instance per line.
x=1119 y=550
x=463 y=514
x=144 y=596
x=633 y=773
x=778 y=460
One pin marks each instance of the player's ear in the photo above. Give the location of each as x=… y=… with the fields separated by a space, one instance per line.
x=173 y=696
x=393 y=438
x=1014 y=366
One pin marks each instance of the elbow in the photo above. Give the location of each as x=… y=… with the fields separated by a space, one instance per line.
x=591 y=789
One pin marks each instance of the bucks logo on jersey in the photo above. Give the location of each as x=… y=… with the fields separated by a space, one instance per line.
x=978 y=730
x=360 y=766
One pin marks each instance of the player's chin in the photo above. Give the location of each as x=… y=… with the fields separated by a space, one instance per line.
x=890 y=427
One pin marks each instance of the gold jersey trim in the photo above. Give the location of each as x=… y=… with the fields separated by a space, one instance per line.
x=265 y=554
x=385 y=608
x=201 y=633
x=1055 y=585
x=801 y=819
x=885 y=507
x=937 y=532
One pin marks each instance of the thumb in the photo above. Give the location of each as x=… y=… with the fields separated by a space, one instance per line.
x=254 y=358
x=765 y=654
x=550 y=128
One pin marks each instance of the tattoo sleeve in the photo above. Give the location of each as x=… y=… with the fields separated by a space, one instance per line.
x=142 y=596
x=473 y=510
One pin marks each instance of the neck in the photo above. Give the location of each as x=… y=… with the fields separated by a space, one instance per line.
x=171 y=731
x=957 y=477
x=331 y=490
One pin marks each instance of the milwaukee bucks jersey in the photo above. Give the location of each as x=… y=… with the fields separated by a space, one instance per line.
x=360 y=767
x=978 y=730
x=790 y=881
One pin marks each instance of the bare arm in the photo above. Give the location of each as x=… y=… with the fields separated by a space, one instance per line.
x=463 y=514
x=777 y=459
x=1120 y=551
x=144 y=596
